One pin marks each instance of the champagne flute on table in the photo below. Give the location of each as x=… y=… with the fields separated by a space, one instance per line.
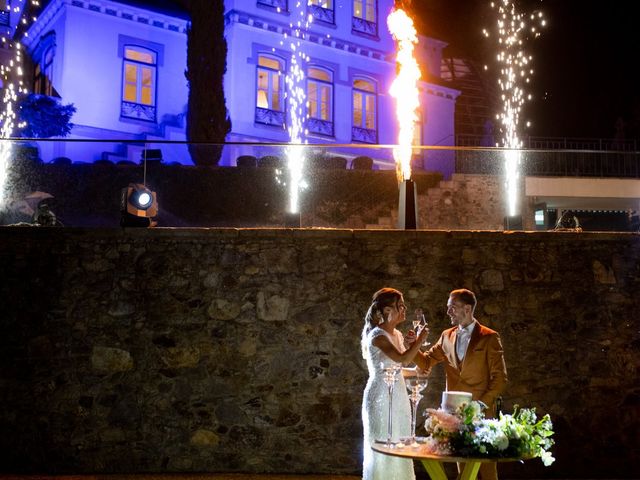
x=420 y=322
x=415 y=383
x=390 y=377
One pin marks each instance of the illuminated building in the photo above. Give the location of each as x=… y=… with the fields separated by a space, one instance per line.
x=122 y=63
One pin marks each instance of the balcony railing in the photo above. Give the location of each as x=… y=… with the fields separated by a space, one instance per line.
x=365 y=135
x=567 y=157
x=555 y=143
x=323 y=14
x=267 y=116
x=361 y=25
x=138 y=111
x=319 y=126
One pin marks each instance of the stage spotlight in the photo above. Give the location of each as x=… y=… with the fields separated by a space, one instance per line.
x=138 y=206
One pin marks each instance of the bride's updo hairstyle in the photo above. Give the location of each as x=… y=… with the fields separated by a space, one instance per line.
x=385 y=297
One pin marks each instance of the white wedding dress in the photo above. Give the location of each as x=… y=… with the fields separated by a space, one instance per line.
x=375 y=413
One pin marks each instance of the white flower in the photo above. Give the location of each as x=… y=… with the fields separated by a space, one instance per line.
x=490 y=431
x=547 y=458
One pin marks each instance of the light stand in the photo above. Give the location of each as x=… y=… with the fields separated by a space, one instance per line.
x=292 y=220
x=513 y=222
x=408 y=206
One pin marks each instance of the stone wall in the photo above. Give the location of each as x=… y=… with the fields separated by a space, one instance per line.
x=88 y=195
x=467 y=201
x=199 y=350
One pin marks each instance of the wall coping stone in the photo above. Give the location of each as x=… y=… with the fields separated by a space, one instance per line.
x=302 y=233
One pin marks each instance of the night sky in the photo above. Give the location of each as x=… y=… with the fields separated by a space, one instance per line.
x=583 y=61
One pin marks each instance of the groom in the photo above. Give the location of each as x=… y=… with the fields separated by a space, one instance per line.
x=473 y=359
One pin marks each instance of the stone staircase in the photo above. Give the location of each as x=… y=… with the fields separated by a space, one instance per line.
x=384 y=223
x=468 y=201
x=390 y=222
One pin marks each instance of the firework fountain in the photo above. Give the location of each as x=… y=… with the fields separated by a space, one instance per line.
x=11 y=75
x=405 y=90
x=511 y=31
x=296 y=100
x=7 y=118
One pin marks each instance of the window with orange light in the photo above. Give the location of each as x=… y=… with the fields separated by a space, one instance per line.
x=140 y=69
x=364 y=104
x=365 y=10
x=320 y=93
x=141 y=62
x=43 y=56
x=269 y=80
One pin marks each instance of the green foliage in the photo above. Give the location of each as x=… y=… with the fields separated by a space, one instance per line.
x=207 y=119
x=41 y=116
x=467 y=433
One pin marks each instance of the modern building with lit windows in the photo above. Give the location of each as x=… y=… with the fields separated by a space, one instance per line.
x=122 y=64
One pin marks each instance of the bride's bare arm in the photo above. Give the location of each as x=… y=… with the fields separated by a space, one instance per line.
x=406 y=357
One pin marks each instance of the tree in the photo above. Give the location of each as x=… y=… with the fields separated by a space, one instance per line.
x=43 y=117
x=207 y=118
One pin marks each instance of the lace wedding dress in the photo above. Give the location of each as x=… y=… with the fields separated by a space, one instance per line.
x=375 y=413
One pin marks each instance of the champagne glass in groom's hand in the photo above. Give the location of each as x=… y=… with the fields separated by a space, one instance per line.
x=420 y=323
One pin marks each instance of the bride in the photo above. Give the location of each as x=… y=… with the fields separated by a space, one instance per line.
x=382 y=347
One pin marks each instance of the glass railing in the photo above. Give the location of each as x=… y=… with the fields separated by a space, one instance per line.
x=86 y=184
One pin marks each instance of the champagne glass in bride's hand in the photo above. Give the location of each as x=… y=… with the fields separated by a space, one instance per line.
x=416 y=320
x=420 y=323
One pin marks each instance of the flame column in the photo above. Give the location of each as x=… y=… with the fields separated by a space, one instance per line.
x=405 y=90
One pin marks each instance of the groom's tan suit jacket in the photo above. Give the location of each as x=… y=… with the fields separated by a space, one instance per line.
x=483 y=372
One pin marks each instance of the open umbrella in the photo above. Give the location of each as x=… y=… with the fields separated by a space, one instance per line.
x=34 y=198
x=28 y=204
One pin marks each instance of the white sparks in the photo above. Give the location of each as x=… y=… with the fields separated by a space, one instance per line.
x=514 y=73
x=11 y=74
x=296 y=99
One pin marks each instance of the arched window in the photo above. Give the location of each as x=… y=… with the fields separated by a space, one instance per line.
x=364 y=111
x=43 y=73
x=323 y=10
x=320 y=100
x=139 y=82
x=44 y=55
x=269 y=90
x=365 y=17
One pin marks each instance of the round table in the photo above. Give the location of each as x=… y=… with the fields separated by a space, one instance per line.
x=433 y=464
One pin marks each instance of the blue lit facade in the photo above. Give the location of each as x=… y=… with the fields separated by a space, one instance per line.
x=122 y=65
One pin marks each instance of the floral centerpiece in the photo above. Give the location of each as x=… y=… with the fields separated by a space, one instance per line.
x=466 y=433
